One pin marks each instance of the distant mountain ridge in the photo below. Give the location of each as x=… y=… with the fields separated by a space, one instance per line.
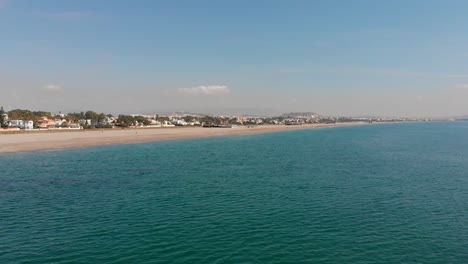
x=299 y=114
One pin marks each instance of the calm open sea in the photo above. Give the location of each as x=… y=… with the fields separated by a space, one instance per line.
x=369 y=194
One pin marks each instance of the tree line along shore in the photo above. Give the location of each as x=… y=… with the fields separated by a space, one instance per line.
x=20 y=119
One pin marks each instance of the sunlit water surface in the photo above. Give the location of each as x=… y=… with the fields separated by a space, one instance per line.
x=367 y=194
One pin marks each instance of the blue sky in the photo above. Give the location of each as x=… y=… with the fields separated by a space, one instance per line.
x=405 y=58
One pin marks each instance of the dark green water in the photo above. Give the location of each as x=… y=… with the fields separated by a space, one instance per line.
x=370 y=194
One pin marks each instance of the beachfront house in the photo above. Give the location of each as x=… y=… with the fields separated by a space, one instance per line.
x=155 y=122
x=45 y=122
x=21 y=124
x=108 y=120
x=59 y=122
x=178 y=122
x=87 y=122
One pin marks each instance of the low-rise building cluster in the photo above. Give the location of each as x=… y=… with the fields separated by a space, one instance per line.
x=39 y=124
x=27 y=120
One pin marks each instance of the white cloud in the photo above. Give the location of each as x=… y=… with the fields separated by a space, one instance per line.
x=205 y=90
x=52 y=88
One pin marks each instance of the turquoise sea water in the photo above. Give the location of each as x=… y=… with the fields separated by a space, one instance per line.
x=368 y=194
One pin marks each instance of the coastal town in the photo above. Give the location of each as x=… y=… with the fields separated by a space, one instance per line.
x=19 y=119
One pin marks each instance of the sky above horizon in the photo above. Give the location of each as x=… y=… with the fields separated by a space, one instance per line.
x=389 y=58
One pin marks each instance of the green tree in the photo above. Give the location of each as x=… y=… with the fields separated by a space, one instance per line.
x=92 y=115
x=101 y=118
x=2 y=118
x=125 y=120
x=39 y=114
x=142 y=120
x=188 y=118
x=73 y=117
x=162 y=118
x=20 y=114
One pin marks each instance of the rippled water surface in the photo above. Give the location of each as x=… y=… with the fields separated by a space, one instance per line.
x=368 y=194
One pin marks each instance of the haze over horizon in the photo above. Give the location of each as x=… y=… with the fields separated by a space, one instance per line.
x=392 y=58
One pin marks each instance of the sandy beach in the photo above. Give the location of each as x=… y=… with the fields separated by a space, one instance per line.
x=50 y=140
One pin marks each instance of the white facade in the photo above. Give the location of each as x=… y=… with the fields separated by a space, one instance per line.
x=21 y=124
x=85 y=122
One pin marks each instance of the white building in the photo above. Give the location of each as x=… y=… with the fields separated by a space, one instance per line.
x=108 y=120
x=21 y=124
x=85 y=122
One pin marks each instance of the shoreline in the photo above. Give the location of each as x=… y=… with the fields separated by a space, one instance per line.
x=52 y=140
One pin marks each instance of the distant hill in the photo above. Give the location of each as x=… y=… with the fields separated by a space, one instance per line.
x=300 y=115
x=182 y=113
x=461 y=118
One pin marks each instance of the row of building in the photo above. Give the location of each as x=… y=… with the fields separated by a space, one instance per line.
x=42 y=123
x=60 y=121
